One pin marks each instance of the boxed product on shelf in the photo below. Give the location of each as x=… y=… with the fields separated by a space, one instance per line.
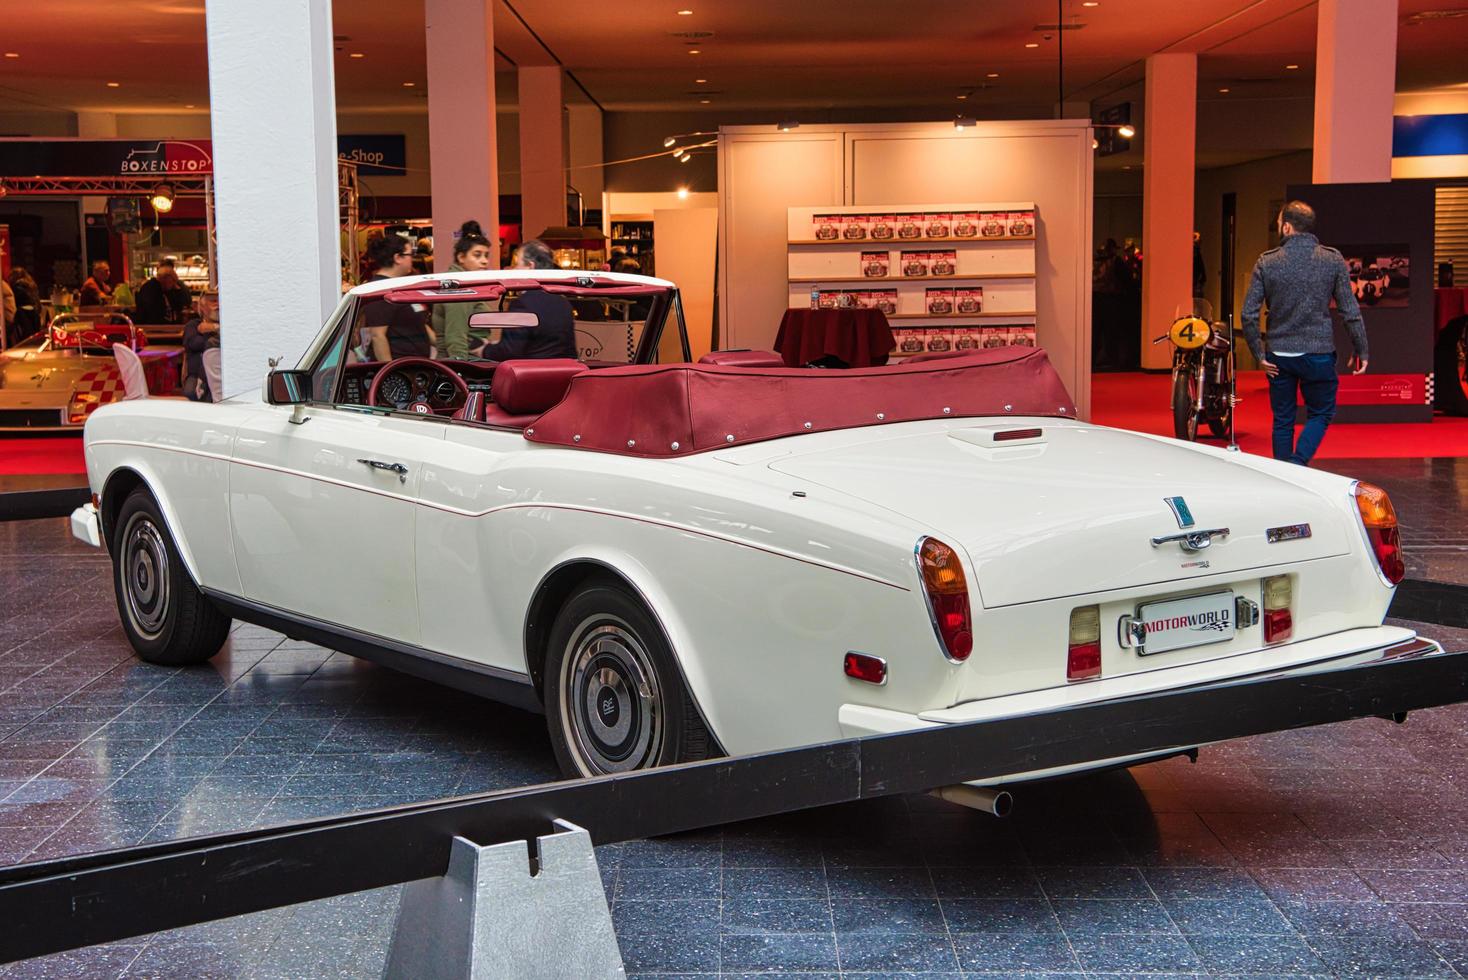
x=969 y=299
x=939 y=300
x=1022 y=336
x=937 y=225
x=914 y=263
x=943 y=263
x=992 y=224
x=965 y=224
x=866 y=299
x=885 y=300
x=827 y=299
x=969 y=338
x=913 y=341
x=909 y=226
x=1021 y=224
x=940 y=340
x=824 y=227
x=854 y=227
x=883 y=226
x=874 y=264
x=846 y=299
x=996 y=337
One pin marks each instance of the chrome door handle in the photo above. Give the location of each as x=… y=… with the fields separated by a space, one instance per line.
x=398 y=468
x=1192 y=540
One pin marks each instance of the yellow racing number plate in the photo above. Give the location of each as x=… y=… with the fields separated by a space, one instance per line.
x=1189 y=332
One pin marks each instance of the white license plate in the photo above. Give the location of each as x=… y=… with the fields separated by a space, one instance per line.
x=1192 y=622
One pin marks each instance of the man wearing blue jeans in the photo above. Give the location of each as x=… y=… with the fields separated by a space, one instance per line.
x=1297 y=282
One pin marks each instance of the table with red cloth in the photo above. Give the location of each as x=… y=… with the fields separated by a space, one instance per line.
x=859 y=337
x=1448 y=303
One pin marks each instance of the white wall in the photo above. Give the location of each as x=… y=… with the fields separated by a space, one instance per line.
x=763 y=173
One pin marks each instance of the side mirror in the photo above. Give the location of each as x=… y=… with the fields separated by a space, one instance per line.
x=288 y=387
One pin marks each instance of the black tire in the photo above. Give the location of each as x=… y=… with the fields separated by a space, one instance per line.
x=605 y=642
x=1184 y=418
x=167 y=619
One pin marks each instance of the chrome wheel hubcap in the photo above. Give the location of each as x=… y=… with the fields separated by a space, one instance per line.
x=610 y=702
x=145 y=577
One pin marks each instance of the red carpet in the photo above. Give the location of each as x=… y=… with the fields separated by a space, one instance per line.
x=1143 y=402
x=26 y=456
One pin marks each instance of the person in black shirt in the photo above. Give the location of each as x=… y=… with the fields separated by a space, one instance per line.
x=555 y=336
x=394 y=329
x=163 y=299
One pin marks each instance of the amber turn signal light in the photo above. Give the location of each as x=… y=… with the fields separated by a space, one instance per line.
x=947 y=594
x=1379 y=518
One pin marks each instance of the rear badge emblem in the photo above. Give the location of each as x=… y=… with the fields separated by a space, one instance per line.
x=1179 y=508
x=1290 y=532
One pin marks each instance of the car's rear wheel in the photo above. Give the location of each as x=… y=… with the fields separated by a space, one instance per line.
x=615 y=699
x=167 y=619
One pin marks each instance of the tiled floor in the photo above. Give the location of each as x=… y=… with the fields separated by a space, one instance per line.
x=1340 y=851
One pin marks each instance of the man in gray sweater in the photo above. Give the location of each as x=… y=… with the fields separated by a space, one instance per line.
x=1297 y=281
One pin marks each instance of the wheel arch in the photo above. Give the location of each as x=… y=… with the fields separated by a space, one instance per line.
x=558 y=584
x=118 y=486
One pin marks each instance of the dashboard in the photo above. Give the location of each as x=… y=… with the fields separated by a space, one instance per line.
x=406 y=384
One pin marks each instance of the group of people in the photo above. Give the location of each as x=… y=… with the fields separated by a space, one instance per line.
x=392 y=330
x=20 y=306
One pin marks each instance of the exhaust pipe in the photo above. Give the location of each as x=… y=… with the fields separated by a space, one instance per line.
x=988 y=799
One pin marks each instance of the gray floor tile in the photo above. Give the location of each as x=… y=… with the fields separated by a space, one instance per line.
x=1000 y=952
x=1142 y=953
x=894 y=951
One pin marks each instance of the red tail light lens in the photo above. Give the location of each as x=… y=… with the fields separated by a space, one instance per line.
x=1379 y=518
x=947 y=592
x=1278 y=625
x=1083 y=654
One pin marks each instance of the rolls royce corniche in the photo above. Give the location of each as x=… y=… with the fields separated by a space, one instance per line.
x=674 y=560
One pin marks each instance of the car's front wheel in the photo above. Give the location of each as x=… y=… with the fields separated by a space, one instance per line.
x=615 y=699
x=167 y=619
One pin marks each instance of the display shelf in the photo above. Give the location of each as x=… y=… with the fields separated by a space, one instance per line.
x=909 y=242
x=983 y=314
x=880 y=279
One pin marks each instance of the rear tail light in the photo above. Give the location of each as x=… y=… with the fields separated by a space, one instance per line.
x=1379 y=519
x=1278 y=596
x=865 y=667
x=947 y=592
x=1083 y=656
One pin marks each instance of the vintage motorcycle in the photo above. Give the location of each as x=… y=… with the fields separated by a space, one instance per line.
x=1202 y=372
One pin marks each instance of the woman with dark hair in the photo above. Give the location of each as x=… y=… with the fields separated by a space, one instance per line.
x=393 y=329
x=472 y=252
x=555 y=335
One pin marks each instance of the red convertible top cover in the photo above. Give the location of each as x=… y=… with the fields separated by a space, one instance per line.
x=678 y=409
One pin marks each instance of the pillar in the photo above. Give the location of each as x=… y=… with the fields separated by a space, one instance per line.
x=1168 y=144
x=462 y=134
x=584 y=153
x=542 y=149
x=1355 y=85
x=272 y=112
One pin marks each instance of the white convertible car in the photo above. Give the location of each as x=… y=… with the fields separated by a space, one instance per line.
x=676 y=560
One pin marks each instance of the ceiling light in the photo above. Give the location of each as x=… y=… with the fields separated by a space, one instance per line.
x=682 y=193
x=1126 y=166
x=694 y=51
x=162 y=198
x=962 y=96
x=114 y=85
x=1287 y=67
x=787 y=125
x=12 y=54
x=1223 y=91
x=962 y=122
x=188 y=105
x=409 y=84
x=700 y=81
x=993 y=74
x=1095 y=144
x=356 y=54
x=685 y=13
x=1033 y=44
x=704 y=101
x=1126 y=131
x=1091 y=3
x=669 y=140
x=685 y=156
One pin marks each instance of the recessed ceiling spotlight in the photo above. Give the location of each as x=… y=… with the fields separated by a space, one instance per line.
x=787 y=125
x=409 y=84
x=682 y=193
x=356 y=54
x=700 y=81
x=962 y=122
x=1090 y=3
x=1033 y=44
x=1126 y=166
x=704 y=101
x=188 y=105
x=992 y=74
x=685 y=13
x=694 y=51
x=1291 y=67
x=114 y=85
x=961 y=95
x=12 y=54
x=1223 y=91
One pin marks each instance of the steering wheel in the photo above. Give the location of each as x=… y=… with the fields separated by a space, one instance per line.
x=415 y=384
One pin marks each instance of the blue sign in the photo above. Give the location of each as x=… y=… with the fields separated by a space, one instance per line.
x=1430 y=136
x=375 y=156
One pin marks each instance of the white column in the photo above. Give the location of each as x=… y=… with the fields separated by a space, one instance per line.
x=462 y=141
x=1355 y=87
x=542 y=150
x=272 y=106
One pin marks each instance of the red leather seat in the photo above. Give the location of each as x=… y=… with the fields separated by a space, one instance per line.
x=524 y=390
x=472 y=409
x=743 y=358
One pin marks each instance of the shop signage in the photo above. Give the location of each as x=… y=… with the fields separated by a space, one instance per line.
x=105 y=158
x=1383 y=389
x=384 y=155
